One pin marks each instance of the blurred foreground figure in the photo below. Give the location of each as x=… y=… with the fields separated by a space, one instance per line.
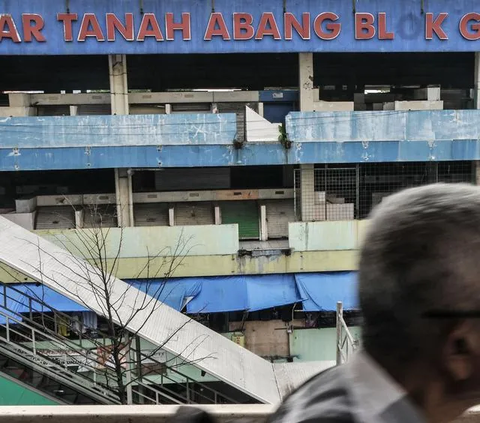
x=419 y=290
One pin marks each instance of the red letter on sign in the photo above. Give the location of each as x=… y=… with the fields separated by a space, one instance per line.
x=8 y=29
x=435 y=25
x=268 y=27
x=126 y=31
x=333 y=29
x=216 y=27
x=32 y=25
x=183 y=26
x=67 y=19
x=90 y=28
x=364 y=26
x=383 y=34
x=472 y=33
x=149 y=28
x=302 y=29
x=242 y=26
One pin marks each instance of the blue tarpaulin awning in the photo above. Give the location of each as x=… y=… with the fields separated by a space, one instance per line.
x=322 y=291
x=315 y=291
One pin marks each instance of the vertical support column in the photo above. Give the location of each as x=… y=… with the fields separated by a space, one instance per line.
x=476 y=103
x=123 y=195
x=306 y=91
x=307 y=193
x=117 y=64
x=218 y=215
x=307 y=101
x=79 y=219
x=20 y=105
x=263 y=223
x=339 y=332
x=171 y=215
x=476 y=87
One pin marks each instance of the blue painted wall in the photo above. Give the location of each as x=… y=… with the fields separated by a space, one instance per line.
x=97 y=142
x=404 y=18
x=99 y=131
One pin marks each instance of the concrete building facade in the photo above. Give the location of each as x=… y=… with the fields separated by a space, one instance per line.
x=251 y=143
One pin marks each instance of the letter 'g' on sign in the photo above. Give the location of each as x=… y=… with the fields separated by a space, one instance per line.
x=470 y=26
x=332 y=30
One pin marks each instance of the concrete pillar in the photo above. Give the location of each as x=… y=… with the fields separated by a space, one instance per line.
x=79 y=219
x=306 y=91
x=19 y=106
x=124 y=197
x=117 y=64
x=263 y=223
x=218 y=215
x=476 y=103
x=476 y=88
x=307 y=101
x=307 y=192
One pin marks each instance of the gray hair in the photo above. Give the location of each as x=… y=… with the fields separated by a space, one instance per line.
x=421 y=253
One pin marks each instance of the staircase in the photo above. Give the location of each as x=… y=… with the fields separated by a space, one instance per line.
x=72 y=369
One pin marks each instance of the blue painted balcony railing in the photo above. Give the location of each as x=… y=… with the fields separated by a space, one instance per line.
x=384 y=136
x=117 y=131
x=193 y=140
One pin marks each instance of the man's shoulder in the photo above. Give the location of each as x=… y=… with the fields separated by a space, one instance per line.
x=324 y=398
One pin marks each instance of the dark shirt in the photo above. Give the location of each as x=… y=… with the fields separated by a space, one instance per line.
x=357 y=392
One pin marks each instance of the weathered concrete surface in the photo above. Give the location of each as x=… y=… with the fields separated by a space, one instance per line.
x=102 y=131
x=147 y=414
x=430 y=126
x=226 y=265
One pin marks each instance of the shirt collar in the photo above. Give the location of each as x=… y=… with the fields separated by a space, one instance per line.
x=373 y=391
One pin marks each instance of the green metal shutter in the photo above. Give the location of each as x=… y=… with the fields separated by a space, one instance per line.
x=245 y=213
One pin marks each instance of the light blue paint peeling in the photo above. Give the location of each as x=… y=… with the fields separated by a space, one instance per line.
x=427 y=126
x=103 y=131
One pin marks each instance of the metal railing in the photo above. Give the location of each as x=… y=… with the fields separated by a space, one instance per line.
x=83 y=357
x=346 y=344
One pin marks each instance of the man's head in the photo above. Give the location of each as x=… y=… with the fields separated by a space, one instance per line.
x=420 y=282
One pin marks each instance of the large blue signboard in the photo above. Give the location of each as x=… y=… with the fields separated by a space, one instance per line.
x=228 y=26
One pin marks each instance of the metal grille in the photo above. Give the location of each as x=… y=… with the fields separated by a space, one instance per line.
x=328 y=192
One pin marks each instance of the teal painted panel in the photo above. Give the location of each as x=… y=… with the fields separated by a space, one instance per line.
x=317 y=344
x=12 y=393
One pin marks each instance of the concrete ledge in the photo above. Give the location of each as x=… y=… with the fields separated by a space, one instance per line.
x=146 y=414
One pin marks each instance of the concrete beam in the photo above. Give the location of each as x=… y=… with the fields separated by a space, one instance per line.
x=333 y=106
x=414 y=105
x=128 y=413
x=225 y=265
x=194 y=97
x=17 y=111
x=69 y=99
x=148 y=414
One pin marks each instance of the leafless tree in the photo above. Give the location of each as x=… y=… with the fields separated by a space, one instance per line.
x=97 y=253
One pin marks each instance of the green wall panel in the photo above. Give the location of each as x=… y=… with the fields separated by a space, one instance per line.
x=12 y=393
